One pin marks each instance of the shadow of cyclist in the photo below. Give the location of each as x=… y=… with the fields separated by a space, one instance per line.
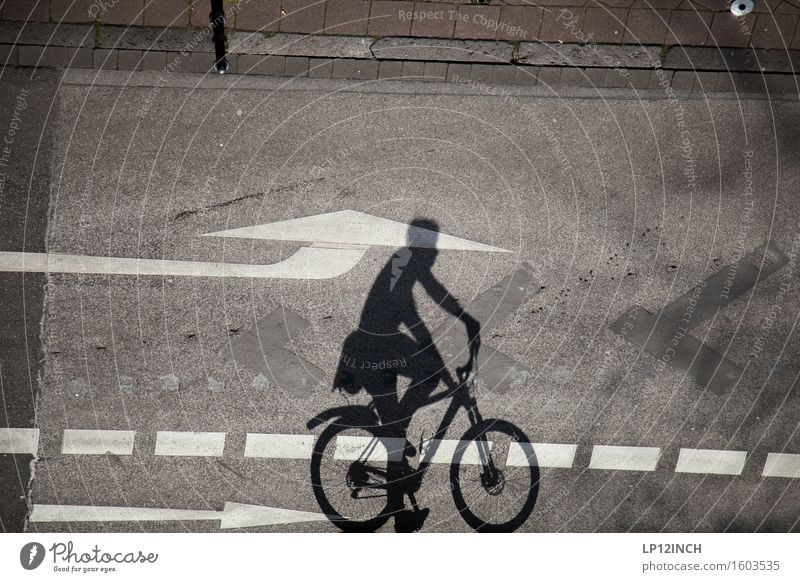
x=393 y=341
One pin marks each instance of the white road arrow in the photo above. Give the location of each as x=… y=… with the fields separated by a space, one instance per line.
x=233 y=515
x=338 y=240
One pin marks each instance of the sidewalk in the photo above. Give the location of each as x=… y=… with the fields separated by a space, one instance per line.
x=617 y=43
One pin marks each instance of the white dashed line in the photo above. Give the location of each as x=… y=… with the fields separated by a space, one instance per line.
x=21 y=441
x=350 y=448
x=782 y=465
x=354 y=448
x=614 y=458
x=190 y=444
x=710 y=461
x=442 y=451
x=279 y=446
x=542 y=454
x=97 y=442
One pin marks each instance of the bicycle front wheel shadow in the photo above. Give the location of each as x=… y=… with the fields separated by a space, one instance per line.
x=494 y=476
x=349 y=474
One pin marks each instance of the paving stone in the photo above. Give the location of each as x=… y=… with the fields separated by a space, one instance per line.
x=614 y=79
x=435 y=71
x=548 y=76
x=306 y=16
x=683 y=80
x=321 y=68
x=154 y=61
x=352 y=47
x=705 y=81
x=104 y=59
x=639 y=78
x=781 y=83
x=83 y=57
x=71 y=11
x=519 y=23
x=46 y=34
x=366 y=69
x=385 y=19
x=481 y=73
x=646 y=26
x=52 y=56
x=390 y=69
x=263 y=15
x=729 y=31
x=594 y=77
x=195 y=62
x=8 y=55
x=415 y=49
x=526 y=75
x=503 y=74
x=343 y=69
x=706 y=58
x=296 y=67
x=347 y=17
x=605 y=24
x=128 y=60
x=477 y=21
x=201 y=13
x=125 y=13
x=164 y=13
x=433 y=20
x=562 y=24
x=413 y=69
x=458 y=72
x=774 y=31
x=571 y=77
x=25 y=10
x=749 y=83
x=688 y=28
x=661 y=79
x=261 y=65
x=628 y=56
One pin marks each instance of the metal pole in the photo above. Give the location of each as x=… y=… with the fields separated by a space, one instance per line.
x=217 y=17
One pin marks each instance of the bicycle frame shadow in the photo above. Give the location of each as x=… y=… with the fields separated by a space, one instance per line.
x=392 y=342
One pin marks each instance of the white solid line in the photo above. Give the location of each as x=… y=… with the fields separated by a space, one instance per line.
x=49 y=513
x=352 y=227
x=20 y=441
x=711 y=461
x=97 y=442
x=616 y=458
x=279 y=446
x=442 y=451
x=541 y=454
x=782 y=465
x=190 y=444
x=306 y=263
x=354 y=448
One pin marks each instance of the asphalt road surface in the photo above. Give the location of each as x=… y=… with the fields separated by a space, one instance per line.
x=631 y=258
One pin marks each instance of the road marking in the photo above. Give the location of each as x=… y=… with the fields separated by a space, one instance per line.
x=261 y=350
x=352 y=227
x=97 y=442
x=496 y=371
x=782 y=465
x=19 y=441
x=190 y=444
x=711 y=461
x=350 y=448
x=541 y=454
x=234 y=515
x=442 y=451
x=306 y=263
x=354 y=448
x=616 y=458
x=279 y=446
x=666 y=334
